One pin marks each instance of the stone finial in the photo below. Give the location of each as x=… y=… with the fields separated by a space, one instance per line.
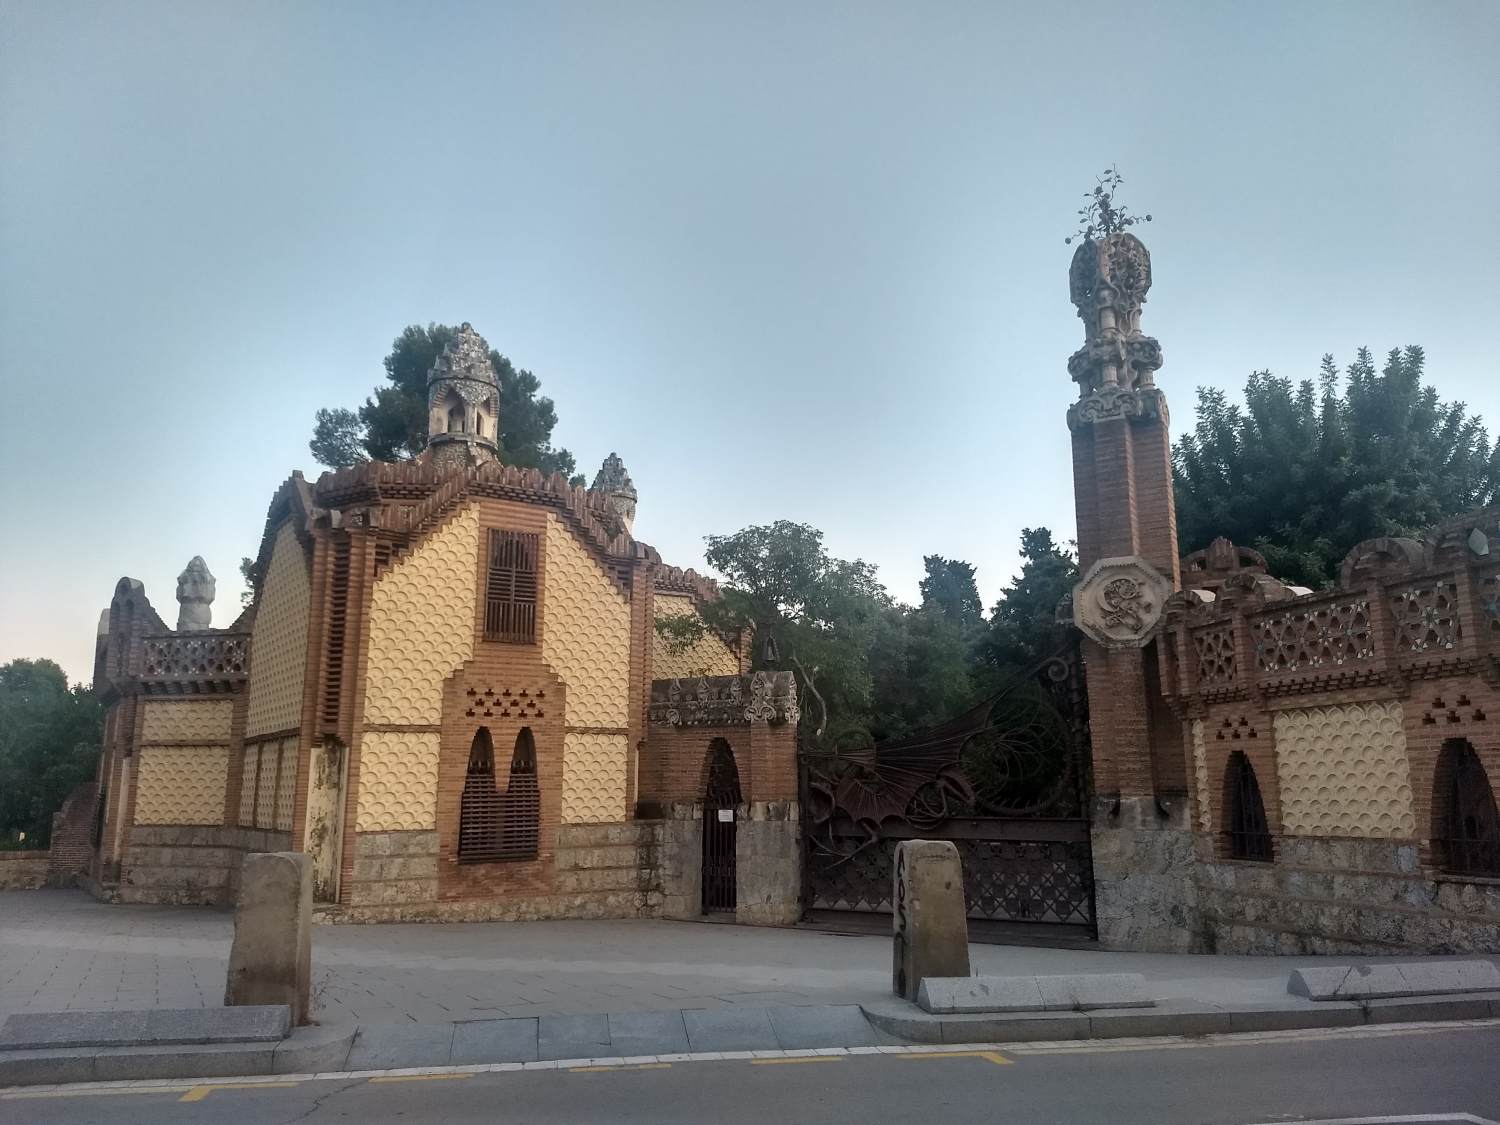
x=614 y=482
x=463 y=402
x=195 y=593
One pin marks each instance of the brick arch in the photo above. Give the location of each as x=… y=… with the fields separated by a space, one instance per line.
x=1246 y=829
x=721 y=753
x=1465 y=825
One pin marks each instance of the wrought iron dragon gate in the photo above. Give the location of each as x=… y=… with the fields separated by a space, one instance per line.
x=1006 y=781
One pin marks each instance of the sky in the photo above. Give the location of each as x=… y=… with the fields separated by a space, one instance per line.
x=790 y=261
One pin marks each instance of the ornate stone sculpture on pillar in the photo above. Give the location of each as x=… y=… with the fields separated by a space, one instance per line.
x=615 y=483
x=195 y=593
x=463 y=403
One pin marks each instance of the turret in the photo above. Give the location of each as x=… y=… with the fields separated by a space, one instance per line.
x=614 y=482
x=463 y=402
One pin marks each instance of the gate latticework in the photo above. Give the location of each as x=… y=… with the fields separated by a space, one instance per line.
x=1006 y=781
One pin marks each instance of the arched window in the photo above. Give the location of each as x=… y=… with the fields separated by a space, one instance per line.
x=1468 y=826
x=479 y=807
x=721 y=800
x=521 y=822
x=495 y=824
x=1249 y=836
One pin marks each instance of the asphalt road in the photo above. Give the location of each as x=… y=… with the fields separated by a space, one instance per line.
x=1436 y=1076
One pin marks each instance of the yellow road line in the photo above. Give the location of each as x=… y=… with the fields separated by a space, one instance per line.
x=198 y=1093
x=802 y=1059
x=419 y=1077
x=10 y=1094
x=989 y=1056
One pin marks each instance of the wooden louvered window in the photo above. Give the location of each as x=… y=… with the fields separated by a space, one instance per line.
x=496 y=825
x=510 y=587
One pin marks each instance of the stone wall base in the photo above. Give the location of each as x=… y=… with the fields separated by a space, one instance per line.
x=1145 y=897
x=768 y=862
x=188 y=865
x=22 y=871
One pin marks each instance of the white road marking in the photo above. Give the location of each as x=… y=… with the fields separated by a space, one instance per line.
x=1403 y=1119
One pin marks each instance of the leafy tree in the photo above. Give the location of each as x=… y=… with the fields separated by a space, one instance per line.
x=1304 y=472
x=392 y=424
x=949 y=588
x=1023 y=626
x=49 y=743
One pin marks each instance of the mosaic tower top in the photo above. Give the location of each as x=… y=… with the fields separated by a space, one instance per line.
x=463 y=402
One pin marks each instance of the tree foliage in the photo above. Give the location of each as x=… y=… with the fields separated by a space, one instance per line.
x=49 y=743
x=1023 y=625
x=1304 y=472
x=392 y=423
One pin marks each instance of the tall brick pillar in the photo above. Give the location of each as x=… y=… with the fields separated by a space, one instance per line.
x=1127 y=555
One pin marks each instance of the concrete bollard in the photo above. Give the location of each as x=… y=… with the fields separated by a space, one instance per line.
x=931 y=922
x=270 y=961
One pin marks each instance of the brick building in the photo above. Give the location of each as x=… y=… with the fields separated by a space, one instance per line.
x=443 y=692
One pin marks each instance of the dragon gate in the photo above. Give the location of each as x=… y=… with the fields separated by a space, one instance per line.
x=1007 y=782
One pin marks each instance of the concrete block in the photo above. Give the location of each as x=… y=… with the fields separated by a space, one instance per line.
x=647 y=1033
x=943 y=995
x=36 y=1068
x=309 y=1050
x=930 y=919
x=270 y=960
x=842 y=1025
x=730 y=1029
x=1429 y=977
x=44 y=1030
x=1083 y=992
x=1372 y=982
x=258 y=1023
x=572 y=1037
x=492 y=1041
x=385 y=1046
x=217 y=1060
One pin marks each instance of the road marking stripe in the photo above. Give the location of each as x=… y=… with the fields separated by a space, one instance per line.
x=990 y=1056
x=801 y=1059
x=198 y=1093
x=1402 y=1119
x=10 y=1095
x=422 y=1077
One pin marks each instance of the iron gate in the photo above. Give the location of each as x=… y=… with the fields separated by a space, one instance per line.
x=720 y=808
x=1007 y=782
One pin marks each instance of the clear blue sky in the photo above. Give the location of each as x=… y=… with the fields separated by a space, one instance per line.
x=790 y=261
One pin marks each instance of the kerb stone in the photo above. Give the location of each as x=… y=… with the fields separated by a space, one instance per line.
x=931 y=922
x=270 y=961
x=1088 y=991
x=946 y=995
x=1373 y=982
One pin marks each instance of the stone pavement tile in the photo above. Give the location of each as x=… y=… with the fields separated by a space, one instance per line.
x=647 y=1033
x=730 y=1029
x=841 y=1025
x=494 y=1041
x=383 y=1046
x=572 y=1037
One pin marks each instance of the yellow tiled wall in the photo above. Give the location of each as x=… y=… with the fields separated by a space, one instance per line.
x=1343 y=771
x=180 y=721
x=708 y=656
x=398 y=776
x=278 y=646
x=422 y=625
x=181 y=785
x=586 y=640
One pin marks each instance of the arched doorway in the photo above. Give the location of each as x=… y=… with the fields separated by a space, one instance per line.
x=721 y=801
x=1467 y=828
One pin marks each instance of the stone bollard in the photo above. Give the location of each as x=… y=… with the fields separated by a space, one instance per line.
x=270 y=961
x=931 y=922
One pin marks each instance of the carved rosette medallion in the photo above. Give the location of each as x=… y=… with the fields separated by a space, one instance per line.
x=1112 y=401
x=1119 y=603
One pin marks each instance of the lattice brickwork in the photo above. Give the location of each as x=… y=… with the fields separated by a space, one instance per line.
x=286 y=785
x=422 y=624
x=1200 y=777
x=172 y=721
x=594 y=769
x=278 y=647
x=1330 y=635
x=1343 y=772
x=707 y=656
x=1425 y=618
x=182 y=785
x=398 y=781
x=265 y=793
x=586 y=632
x=1215 y=650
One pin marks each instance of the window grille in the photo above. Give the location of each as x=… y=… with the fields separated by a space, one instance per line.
x=1249 y=836
x=495 y=825
x=1469 y=835
x=510 y=587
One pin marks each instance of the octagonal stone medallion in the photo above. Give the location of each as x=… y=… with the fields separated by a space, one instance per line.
x=1120 y=600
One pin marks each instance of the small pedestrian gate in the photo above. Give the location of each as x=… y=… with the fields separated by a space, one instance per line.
x=1007 y=782
x=720 y=808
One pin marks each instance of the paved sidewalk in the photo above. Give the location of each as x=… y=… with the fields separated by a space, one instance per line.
x=61 y=950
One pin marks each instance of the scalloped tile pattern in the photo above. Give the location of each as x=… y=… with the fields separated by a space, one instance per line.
x=249 y=764
x=422 y=624
x=707 y=656
x=594 y=767
x=1343 y=772
x=398 y=781
x=1200 y=777
x=585 y=633
x=182 y=785
x=177 y=721
x=278 y=646
x=286 y=785
x=265 y=792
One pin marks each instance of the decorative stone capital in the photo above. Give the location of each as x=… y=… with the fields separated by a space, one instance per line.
x=1120 y=601
x=195 y=594
x=1111 y=401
